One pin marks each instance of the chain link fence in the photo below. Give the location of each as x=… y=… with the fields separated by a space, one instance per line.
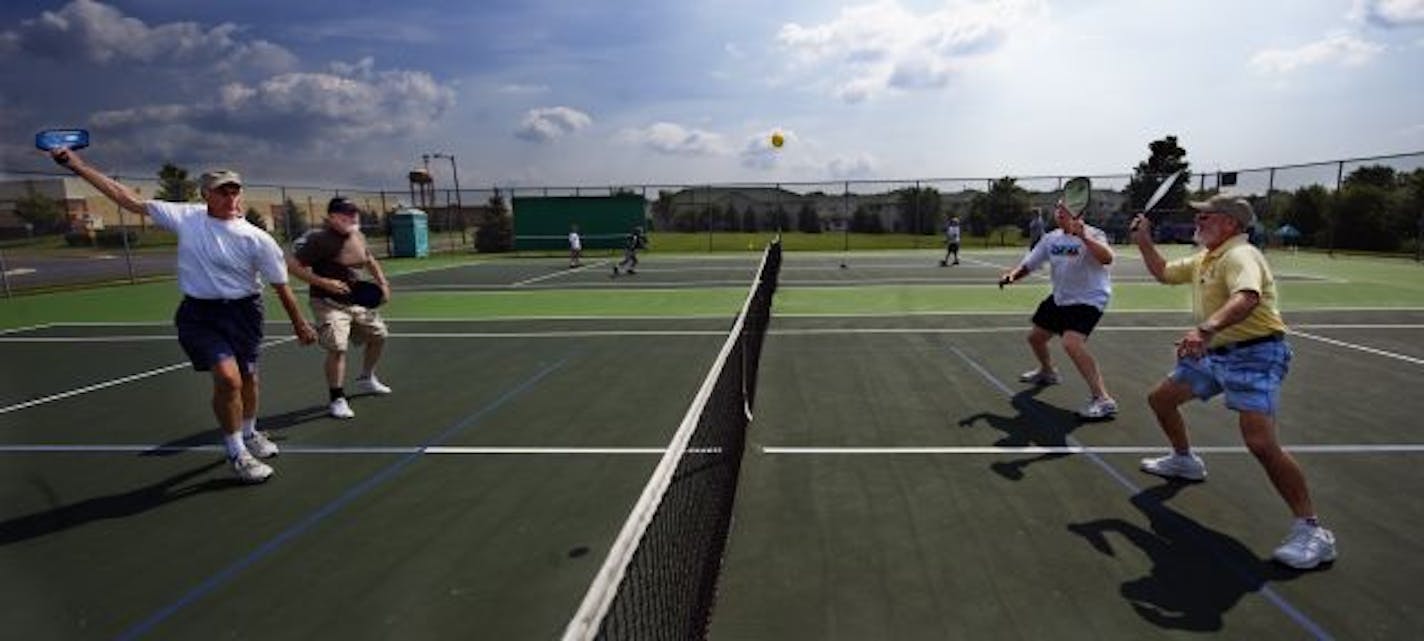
x=56 y=231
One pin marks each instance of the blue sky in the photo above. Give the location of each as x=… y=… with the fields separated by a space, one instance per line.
x=539 y=92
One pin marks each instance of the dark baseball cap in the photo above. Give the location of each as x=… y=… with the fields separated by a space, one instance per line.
x=341 y=205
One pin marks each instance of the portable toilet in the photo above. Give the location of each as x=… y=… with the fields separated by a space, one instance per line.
x=410 y=234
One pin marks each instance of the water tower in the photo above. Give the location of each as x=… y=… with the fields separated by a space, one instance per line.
x=422 y=188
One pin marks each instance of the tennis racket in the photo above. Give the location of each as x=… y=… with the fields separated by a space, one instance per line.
x=1158 y=195
x=1077 y=193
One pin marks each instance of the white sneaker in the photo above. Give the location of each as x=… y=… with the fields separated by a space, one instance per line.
x=1175 y=465
x=340 y=409
x=1039 y=377
x=260 y=446
x=1306 y=546
x=1099 y=408
x=369 y=385
x=249 y=469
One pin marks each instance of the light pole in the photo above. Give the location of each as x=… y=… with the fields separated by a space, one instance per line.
x=455 y=177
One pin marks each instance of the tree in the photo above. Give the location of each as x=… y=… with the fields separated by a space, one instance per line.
x=749 y=219
x=663 y=210
x=1166 y=157
x=255 y=218
x=1007 y=203
x=807 y=221
x=919 y=209
x=44 y=214
x=1306 y=212
x=174 y=185
x=496 y=231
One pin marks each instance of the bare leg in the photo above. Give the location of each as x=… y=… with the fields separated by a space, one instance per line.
x=1166 y=400
x=249 y=396
x=374 y=346
x=1259 y=432
x=1077 y=347
x=228 y=395
x=1038 y=338
x=335 y=368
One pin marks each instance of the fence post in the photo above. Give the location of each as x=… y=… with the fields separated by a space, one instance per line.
x=4 y=273
x=1334 y=209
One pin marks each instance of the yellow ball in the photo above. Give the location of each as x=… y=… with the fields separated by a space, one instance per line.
x=777 y=140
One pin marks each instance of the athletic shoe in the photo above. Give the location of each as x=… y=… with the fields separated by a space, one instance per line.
x=1189 y=467
x=615 y=270
x=630 y=270
x=259 y=445
x=1097 y=408
x=250 y=470
x=956 y=262
x=944 y=263
x=1039 y=377
x=340 y=409
x=370 y=385
x=1306 y=546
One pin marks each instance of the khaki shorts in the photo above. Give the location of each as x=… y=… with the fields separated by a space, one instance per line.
x=338 y=324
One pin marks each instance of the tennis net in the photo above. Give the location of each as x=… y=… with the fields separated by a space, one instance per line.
x=660 y=578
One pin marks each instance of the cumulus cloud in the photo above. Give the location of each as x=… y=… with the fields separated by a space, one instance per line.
x=551 y=123
x=103 y=35
x=1338 y=48
x=847 y=168
x=882 y=46
x=1388 y=13
x=758 y=153
x=675 y=140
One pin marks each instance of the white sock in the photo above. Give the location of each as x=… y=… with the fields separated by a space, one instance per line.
x=249 y=426
x=233 y=442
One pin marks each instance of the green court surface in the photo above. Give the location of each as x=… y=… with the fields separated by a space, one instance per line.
x=898 y=482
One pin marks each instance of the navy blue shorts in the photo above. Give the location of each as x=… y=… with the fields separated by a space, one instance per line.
x=1056 y=319
x=213 y=330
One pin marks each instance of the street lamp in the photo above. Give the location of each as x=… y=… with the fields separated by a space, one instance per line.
x=455 y=176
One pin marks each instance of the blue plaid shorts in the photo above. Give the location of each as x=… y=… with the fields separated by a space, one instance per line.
x=1250 y=377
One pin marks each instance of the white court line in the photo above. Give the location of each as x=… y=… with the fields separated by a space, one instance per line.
x=1362 y=348
x=110 y=383
x=28 y=328
x=1401 y=448
x=562 y=272
x=288 y=449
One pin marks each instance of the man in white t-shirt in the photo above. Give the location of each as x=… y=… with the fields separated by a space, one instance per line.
x=1079 y=255
x=575 y=247
x=951 y=242
x=222 y=261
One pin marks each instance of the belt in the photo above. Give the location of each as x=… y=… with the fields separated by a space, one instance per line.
x=1230 y=347
x=220 y=301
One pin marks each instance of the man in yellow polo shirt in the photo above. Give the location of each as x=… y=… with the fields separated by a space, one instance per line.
x=1237 y=349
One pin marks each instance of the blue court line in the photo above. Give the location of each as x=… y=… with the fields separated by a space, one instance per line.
x=223 y=576
x=1245 y=574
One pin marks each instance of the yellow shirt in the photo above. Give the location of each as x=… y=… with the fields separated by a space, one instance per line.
x=1215 y=275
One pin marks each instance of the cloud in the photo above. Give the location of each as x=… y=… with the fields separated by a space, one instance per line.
x=551 y=123
x=758 y=153
x=1338 y=48
x=102 y=35
x=1388 y=13
x=846 y=168
x=303 y=108
x=873 y=48
x=675 y=140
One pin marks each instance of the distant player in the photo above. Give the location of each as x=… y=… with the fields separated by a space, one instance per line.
x=636 y=241
x=575 y=247
x=951 y=242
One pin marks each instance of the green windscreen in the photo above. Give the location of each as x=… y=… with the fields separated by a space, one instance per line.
x=543 y=222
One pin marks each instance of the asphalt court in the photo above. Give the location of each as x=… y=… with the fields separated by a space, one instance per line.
x=899 y=482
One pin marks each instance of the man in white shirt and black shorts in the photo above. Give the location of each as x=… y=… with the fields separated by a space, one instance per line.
x=1082 y=286
x=222 y=261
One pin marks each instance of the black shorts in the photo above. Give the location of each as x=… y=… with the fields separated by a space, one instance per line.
x=953 y=247
x=1056 y=319
x=212 y=330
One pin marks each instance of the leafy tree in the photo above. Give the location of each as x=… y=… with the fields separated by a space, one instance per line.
x=43 y=213
x=662 y=209
x=175 y=186
x=749 y=219
x=919 y=209
x=779 y=218
x=1007 y=203
x=496 y=230
x=255 y=218
x=807 y=221
x=1166 y=157
x=1307 y=211
x=865 y=221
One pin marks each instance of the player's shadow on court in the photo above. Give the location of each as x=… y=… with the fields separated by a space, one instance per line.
x=1037 y=424
x=1198 y=574
x=270 y=424
x=113 y=506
